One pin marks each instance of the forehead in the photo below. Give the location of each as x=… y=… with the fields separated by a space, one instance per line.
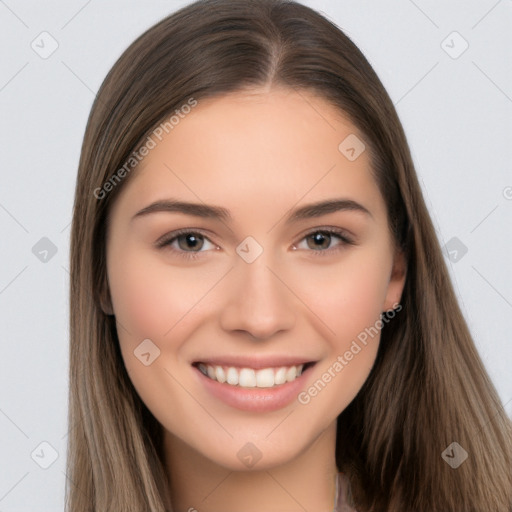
x=239 y=149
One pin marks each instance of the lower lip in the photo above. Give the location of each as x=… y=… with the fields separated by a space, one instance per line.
x=255 y=399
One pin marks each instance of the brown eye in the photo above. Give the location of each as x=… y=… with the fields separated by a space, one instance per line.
x=186 y=243
x=192 y=241
x=320 y=240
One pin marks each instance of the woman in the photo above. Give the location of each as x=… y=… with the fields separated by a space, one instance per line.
x=261 y=316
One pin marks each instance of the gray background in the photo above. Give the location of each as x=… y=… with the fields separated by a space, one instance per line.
x=456 y=108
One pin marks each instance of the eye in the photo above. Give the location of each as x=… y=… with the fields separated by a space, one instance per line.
x=320 y=240
x=188 y=244
x=185 y=242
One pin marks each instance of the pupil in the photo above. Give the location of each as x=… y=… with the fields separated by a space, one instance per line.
x=191 y=241
x=321 y=237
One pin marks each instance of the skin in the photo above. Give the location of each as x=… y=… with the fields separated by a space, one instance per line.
x=258 y=153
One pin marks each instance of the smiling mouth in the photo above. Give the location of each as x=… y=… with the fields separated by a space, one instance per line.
x=244 y=377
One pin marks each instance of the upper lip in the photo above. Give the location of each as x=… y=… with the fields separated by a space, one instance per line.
x=256 y=362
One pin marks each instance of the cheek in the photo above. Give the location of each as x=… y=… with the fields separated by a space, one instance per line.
x=138 y=296
x=153 y=301
x=151 y=298
x=349 y=297
x=349 y=302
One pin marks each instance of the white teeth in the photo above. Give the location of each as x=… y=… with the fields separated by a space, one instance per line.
x=247 y=378
x=232 y=376
x=211 y=371
x=219 y=374
x=265 y=378
x=250 y=378
x=291 y=373
x=280 y=376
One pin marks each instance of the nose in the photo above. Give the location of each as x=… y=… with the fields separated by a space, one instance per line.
x=259 y=300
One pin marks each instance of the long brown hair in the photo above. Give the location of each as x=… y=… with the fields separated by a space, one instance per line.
x=428 y=387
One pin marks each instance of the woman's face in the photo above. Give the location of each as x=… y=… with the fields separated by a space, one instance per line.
x=253 y=287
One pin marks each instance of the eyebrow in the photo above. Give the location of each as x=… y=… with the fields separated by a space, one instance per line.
x=202 y=210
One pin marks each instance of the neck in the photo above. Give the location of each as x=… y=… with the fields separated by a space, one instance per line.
x=307 y=482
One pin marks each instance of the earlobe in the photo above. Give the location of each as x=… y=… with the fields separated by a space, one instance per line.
x=396 y=281
x=105 y=300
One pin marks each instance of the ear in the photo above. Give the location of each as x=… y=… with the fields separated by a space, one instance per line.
x=396 y=281
x=105 y=300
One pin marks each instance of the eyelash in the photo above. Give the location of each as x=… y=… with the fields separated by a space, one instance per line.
x=193 y=255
